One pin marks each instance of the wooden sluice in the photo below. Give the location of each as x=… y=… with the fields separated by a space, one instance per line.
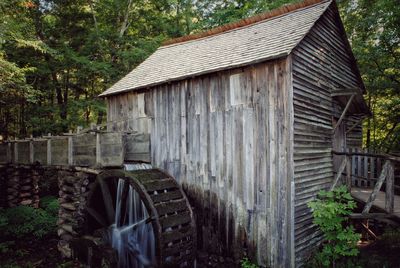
x=89 y=149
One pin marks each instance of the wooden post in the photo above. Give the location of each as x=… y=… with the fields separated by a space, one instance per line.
x=49 y=150
x=70 y=151
x=15 y=152
x=372 y=172
x=31 y=152
x=365 y=172
x=353 y=170
x=359 y=170
x=98 y=151
x=348 y=173
x=389 y=200
x=9 y=156
x=378 y=186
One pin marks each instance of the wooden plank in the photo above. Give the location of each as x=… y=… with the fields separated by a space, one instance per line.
x=23 y=152
x=370 y=216
x=137 y=147
x=40 y=151
x=84 y=149
x=348 y=173
x=59 y=151
x=4 y=153
x=110 y=149
x=366 y=168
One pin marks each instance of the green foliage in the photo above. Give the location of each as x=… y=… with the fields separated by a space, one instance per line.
x=330 y=213
x=5 y=246
x=246 y=263
x=391 y=237
x=57 y=56
x=374 y=33
x=50 y=204
x=24 y=221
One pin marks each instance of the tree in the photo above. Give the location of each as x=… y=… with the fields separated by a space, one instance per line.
x=374 y=33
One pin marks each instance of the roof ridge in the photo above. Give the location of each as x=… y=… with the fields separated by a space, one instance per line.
x=245 y=22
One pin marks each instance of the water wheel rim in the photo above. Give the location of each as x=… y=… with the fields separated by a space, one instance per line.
x=133 y=178
x=115 y=175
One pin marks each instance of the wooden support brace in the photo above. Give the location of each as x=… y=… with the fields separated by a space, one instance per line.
x=345 y=92
x=378 y=186
x=343 y=113
x=354 y=125
x=339 y=174
x=369 y=231
x=370 y=216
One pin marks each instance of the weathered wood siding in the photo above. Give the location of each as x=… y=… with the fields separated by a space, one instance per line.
x=320 y=64
x=354 y=132
x=227 y=138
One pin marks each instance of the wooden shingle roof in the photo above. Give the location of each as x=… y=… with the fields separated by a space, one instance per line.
x=272 y=37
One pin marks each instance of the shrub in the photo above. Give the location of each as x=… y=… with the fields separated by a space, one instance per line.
x=330 y=213
x=25 y=221
x=50 y=205
x=246 y=263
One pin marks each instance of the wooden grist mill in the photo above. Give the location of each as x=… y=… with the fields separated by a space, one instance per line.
x=217 y=141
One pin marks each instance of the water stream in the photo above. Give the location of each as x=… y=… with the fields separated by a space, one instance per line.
x=131 y=234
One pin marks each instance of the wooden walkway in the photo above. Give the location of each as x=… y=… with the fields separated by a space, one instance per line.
x=362 y=195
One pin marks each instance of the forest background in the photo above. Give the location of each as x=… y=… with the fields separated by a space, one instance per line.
x=56 y=56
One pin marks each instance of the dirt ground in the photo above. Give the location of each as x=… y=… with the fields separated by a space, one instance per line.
x=384 y=252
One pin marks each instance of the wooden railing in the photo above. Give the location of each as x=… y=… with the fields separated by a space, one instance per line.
x=90 y=148
x=365 y=170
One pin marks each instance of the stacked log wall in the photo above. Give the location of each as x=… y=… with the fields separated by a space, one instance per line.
x=21 y=186
x=3 y=186
x=226 y=138
x=74 y=187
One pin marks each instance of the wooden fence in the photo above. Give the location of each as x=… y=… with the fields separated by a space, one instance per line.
x=95 y=148
x=365 y=170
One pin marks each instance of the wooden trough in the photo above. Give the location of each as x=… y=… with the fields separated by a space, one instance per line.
x=92 y=149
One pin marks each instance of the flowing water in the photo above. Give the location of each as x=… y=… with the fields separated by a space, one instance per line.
x=132 y=234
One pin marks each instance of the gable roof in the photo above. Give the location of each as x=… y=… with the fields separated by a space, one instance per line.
x=247 y=42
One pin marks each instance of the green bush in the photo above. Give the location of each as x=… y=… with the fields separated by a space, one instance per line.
x=26 y=221
x=50 y=205
x=330 y=213
x=246 y=263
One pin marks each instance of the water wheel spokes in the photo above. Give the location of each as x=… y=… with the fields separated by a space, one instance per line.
x=108 y=202
x=97 y=216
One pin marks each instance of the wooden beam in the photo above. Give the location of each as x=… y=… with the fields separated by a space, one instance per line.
x=339 y=174
x=344 y=92
x=344 y=113
x=370 y=216
x=369 y=231
x=378 y=186
x=354 y=125
x=389 y=200
x=383 y=156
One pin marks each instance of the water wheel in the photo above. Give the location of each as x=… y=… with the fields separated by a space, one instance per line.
x=144 y=216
